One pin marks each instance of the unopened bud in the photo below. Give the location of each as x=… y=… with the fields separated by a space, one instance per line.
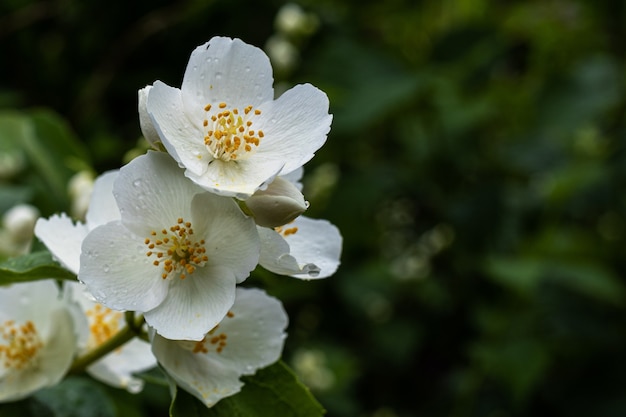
x=145 y=122
x=277 y=205
x=79 y=188
x=19 y=222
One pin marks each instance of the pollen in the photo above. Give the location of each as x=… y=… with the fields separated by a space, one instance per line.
x=176 y=250
x=228 y=134
x=19 y=344
x=286 y=231
x=104 y=323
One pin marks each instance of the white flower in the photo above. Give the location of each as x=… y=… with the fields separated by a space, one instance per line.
x=176 y=254
x=101 y=324
x=37 y=341
x=63 y=238
x=249 y=338
x=224 y=126
x=305 y=248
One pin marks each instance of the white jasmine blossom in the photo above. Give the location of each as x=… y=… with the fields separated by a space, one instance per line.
x=224 y=126
x=250 y=337
x=176 y=254
x=305 y=248
x=37 y=341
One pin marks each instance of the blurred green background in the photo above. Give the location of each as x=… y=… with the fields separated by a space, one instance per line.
x=476 y=168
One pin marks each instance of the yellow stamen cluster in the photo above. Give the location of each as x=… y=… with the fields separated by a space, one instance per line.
x=176 y=250
x=286 y=231
x=218 y=341
x=229 y=132
x=104 y=323
x=19 y=344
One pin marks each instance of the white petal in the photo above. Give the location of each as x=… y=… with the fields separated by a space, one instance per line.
x=295 y=177
x=180 y=132
x=145 y=121
x=237 y=179
x=102 y=207
x=254 y=339
x=203 y=377
x=315 y=248
x=227 y=70
x=295 y=126
x=231 y=238
x=62 y=238
x=114 y=265
x=117 y=368
x=255 y=332
x=152 y=193
x=194 y=305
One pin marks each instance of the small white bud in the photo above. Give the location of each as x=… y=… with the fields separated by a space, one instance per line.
x=80 y=187
x=19 y=222
x=145 y=122
x=277 y=205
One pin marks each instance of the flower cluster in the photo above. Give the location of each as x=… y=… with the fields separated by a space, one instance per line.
x=169 y=237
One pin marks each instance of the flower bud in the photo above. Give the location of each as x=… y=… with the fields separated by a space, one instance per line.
x=145 y=122
x=19 y=222
x=277 y=205
x=79 y=188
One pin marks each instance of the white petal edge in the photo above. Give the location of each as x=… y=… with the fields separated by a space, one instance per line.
x=102 y=206
x=194 y=305
x=152 y=193
x=226 y=70
x=295 y=126
x=313 y=252
x=63 y=238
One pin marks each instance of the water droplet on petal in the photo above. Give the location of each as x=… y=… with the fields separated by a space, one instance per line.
x=106 y=268
x=247 y=69
x=218 y=75
x=137 y=183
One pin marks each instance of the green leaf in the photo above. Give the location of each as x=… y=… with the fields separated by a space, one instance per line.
x=32 y=267
x=77 y=397
x=29 y=407
x=273 y=391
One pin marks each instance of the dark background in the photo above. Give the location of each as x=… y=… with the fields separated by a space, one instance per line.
x=476 y=168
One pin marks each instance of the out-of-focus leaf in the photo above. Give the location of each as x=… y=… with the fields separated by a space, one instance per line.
x=367 y=86
x=11 y=195
x=52 y=151
x=77 y=397
x=273 y=391
x=26 y=408
x=32 y=267
x=518 y=363
x=587 y=278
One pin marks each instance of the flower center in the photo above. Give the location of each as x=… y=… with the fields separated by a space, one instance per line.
x=176 y=250
x=229 y=132
x=104 y=323
x=20 y=344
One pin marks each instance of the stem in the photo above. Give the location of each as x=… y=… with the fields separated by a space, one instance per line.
x=131 y=330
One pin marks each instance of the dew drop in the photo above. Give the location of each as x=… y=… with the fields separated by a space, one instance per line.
x=218 y=75
x=137 y=183
x=106 y=268
x=247 y=69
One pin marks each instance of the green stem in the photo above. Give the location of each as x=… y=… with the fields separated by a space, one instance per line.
x=127 y=333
